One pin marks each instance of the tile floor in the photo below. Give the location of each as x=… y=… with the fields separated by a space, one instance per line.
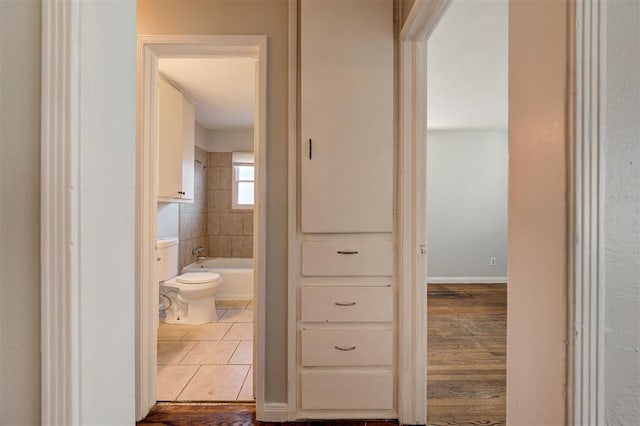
x=208 y=362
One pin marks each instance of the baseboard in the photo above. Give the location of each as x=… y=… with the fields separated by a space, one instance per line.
x=275 y=412
x=467 y=280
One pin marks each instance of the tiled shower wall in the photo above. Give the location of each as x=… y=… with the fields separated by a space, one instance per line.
x=230 y=231
x=193 y=217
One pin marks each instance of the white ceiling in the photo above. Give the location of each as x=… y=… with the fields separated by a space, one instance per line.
x=468 y=67
x=222 y=88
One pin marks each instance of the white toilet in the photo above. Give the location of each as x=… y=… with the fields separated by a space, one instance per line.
x=190 y=295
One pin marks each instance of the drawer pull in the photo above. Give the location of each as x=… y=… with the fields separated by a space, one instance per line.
x=347 y=252
x=345 y=304
x=350 y=348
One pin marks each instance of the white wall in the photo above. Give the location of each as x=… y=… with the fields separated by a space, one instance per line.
x=537 y=231
x=230 y=140
x=201 y=136
x=20 y=212
x=107 y=213
x=621 y=177
x=168 y=220
x=467 y=205
x=269 y=17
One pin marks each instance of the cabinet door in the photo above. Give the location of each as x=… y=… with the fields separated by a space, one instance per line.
x=170 y=134
x=347 y=115
x=188 y=149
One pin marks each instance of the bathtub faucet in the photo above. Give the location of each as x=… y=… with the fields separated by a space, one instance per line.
x=198 y=251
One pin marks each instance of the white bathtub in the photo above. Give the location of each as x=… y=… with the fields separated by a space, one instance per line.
x=237 y=276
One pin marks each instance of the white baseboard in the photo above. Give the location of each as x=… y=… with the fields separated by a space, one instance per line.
x=275 y=412
x=467 y=280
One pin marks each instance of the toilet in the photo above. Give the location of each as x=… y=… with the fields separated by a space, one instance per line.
x=190 y=296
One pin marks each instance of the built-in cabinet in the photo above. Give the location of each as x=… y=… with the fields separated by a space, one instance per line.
x=347 y=115
x=176 y=144
x=346 y=296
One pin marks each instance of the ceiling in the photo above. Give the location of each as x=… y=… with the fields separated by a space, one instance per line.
x=468 y=67
x=222 y=88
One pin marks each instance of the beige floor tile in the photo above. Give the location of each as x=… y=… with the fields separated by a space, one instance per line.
x=171 y=379
x=220 y=313
x=232 y=304
x=172 y=331
x=171 y=352
x=215 y=383
x=240 y=331
x=246 y=393
x=210 y=331
x=237 y=315
x=243 y=354
x=211 y=352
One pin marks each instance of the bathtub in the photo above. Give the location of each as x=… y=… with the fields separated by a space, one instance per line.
x=237 y=276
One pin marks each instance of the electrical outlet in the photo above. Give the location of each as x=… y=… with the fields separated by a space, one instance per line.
x=492 y=261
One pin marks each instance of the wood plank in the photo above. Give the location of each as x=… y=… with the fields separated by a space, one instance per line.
x=466 y=362
x=211 y=414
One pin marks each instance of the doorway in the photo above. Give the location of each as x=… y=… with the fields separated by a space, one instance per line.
x=538 y=242
x=466 y=214
x=228 y=162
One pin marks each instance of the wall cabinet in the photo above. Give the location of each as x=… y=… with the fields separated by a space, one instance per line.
x=347 y=77
x=176 y=144
x=346 y=318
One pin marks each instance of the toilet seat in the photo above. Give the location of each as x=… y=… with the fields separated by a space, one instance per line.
x=198 y=278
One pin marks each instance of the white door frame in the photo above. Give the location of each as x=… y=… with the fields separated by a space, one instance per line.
x=150 y=49
x=412 y=369
x=585 y=397
x=585 y=403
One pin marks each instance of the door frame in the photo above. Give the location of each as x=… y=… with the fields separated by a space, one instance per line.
x=412 y=273
x=150 y=49
x=584 y=291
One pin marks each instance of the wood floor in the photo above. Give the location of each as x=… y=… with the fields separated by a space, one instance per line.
x=466 y=367
x=207 y=414
x=466 y=360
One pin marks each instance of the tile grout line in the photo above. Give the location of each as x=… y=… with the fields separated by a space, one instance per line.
x=185 y=355
x=243 y=381
x=188 y=381
x=234 y=351
x=228 y=330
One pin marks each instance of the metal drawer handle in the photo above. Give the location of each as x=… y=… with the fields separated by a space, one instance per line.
x=345 y=304
x=350 y=348
x=347 y=252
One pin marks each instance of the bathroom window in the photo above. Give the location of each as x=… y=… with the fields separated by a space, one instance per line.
x=243 y=180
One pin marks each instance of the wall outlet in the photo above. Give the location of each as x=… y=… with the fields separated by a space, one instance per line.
x=492 y=261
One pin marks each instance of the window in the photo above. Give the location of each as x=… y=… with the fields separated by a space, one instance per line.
x=243 y=180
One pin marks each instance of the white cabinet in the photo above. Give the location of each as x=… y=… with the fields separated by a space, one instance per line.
x=346 y=321
x=346 y=391
x=176 y=144
x=343 y=258
x=347 y=78
x=347 y=304
x=347 y=347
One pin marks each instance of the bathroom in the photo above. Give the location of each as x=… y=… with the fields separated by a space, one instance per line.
x=206 y=234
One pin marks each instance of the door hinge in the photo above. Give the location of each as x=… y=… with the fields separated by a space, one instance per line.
x=422 y=249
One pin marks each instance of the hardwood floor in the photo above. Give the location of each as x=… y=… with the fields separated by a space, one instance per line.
x=207 y=414
x=466 y=367
x=466 y=360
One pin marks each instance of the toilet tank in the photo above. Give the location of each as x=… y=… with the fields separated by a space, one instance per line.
x=167 y=258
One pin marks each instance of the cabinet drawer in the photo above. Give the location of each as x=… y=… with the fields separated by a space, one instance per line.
x=347 y=347
x=347 y=304
x=334 y=258
x=347 y=391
